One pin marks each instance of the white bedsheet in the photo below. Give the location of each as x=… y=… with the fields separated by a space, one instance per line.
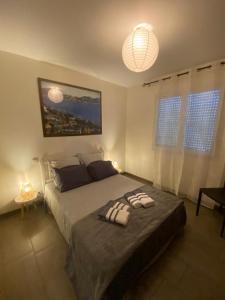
x=69 y=207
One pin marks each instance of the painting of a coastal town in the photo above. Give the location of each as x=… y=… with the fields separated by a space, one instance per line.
x=68 y=110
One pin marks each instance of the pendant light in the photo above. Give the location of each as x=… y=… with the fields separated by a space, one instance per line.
x=140 y=49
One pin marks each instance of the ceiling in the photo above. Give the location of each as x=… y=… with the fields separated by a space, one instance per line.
x=88 y=35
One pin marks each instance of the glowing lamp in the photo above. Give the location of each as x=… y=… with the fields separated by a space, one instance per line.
x=116 y=166
x=140 y=49
x=27 y=195
x=55 y=95
x=27 y=192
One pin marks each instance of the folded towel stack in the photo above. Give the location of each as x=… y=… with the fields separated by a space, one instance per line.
x=117 y=216
x=121 y=206
x=145 y=200
x=133 y=200
x=138 y=199
x=115 y=213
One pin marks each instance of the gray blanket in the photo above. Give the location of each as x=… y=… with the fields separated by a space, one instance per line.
x=99 y=250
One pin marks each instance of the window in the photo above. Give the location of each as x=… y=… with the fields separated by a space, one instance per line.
x=202 y=109
x=199 y=121
x=168 y=118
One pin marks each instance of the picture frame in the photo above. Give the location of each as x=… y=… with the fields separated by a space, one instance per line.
x=69 y=110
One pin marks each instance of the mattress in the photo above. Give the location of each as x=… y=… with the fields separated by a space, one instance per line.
x=71 y=206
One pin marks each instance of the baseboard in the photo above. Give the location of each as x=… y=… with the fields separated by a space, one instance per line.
x=9 y=213
x=18 y=210
x=146 y=181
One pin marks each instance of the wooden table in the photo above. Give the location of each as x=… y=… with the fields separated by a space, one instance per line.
x=218 y=195
x=23 y=201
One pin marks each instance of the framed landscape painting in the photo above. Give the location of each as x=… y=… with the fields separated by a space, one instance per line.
x=68 y=110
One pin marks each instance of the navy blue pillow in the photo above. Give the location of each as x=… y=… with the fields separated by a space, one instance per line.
x=71 y=177
x=101 y=169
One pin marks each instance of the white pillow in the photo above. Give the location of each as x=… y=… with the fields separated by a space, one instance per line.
x=87 y=158
x=71 y=161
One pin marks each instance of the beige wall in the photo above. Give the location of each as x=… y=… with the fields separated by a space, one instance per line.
x=21 y=129
x=140 y=117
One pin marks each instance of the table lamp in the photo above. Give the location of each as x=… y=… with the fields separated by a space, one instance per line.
x=27 y=191
x=116 y=166
x=26 y=195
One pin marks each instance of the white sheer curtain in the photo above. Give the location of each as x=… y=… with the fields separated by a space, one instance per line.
x=190 y=132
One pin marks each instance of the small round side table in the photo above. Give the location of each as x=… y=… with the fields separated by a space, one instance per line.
x=24 y=200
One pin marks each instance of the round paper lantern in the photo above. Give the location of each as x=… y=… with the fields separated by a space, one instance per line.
x=140 y=48
x=55 y=95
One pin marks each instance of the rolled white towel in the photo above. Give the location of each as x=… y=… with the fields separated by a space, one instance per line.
x=118 y=216
x=122 y=206
x=134 y=201
x=145 y=200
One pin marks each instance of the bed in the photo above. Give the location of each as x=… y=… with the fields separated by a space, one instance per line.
x=69 y=207
x=104 y=259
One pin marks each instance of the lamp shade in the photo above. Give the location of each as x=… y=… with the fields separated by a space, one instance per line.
x=140 y=49
x=55 y=95
x=116 y=166
x=27 y=192
x=26 y=187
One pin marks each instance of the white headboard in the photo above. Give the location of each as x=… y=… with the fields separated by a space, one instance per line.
x=46 y=158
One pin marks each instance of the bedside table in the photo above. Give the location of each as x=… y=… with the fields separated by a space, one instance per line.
x=25 y=200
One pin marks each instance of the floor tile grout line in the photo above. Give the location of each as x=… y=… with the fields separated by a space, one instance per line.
x=41 y=276
x=20 y=257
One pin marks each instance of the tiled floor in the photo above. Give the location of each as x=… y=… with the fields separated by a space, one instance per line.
x=32 y=256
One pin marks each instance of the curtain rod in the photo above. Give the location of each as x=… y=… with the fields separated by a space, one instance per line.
x=148 y=83
x=203 y=68
x=181 y=74
x=166 y=78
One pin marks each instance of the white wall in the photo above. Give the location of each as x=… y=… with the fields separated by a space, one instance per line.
x=21 y=129
x=140 y=117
